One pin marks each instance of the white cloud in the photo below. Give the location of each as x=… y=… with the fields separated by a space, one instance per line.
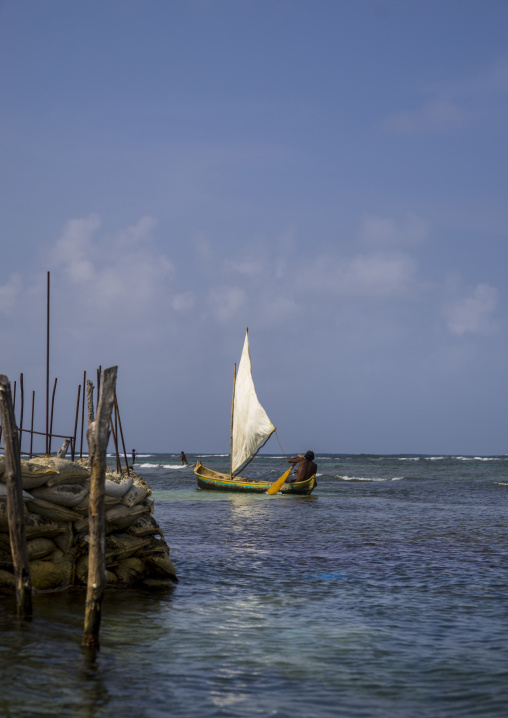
x=73 y=251
x=436 y=114
x=455 y=104
x=226 y=303
x=472 y=313
x=250 y=268
x=117 y=279
x=383 y=231
x=183 y=302
x=136 y=235
x=364 y=276
x=9 y=293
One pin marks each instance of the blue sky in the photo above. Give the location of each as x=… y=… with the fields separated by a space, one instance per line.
x=329 y=173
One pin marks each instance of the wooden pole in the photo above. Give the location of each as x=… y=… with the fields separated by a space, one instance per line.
x=89 y=396
x=12 y=477
x=98 y=437
x=97 y=398
x=60 y=454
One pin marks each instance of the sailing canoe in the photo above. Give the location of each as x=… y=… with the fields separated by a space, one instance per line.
x=215 y=481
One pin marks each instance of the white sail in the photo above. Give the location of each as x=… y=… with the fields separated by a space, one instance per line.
x=251 y=424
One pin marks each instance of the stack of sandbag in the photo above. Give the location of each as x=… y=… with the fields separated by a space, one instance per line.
x=56 y=500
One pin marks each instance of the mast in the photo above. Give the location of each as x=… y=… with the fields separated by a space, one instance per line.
x=232 y=414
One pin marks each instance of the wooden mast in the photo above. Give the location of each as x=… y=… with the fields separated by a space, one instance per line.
x=232 y=415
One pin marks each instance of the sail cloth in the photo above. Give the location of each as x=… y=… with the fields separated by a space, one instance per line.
x=251 y=424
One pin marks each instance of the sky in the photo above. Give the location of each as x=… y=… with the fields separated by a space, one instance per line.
x=331 y=174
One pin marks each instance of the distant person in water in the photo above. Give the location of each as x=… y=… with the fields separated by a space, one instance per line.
x=306 y=467
x=134 y=452
x=183 y=459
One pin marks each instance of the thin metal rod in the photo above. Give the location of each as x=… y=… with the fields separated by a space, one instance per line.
x=43 y=433
x=121 y=435
x=51 y=425
x=73 y=442
x=47 y=367
x=82 y=416
x=22 y=407
x=113 y=433
x=32 y=424
x=118 y=462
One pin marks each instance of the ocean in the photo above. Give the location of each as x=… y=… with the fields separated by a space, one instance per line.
x=384 y=594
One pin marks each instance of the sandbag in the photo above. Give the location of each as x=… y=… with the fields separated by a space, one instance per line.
x=56 y=571
x=83 y=507
x=33 y=475
x=51 y=510
x=65 y=471
x=6 y=558
x=130 y=570
x=117 y=489
x=81 y=572
x=65 y=540
x=153 y=545
x=36 y=526
x=7 y=579
x=121 y=546
x=162 y=565
x=39 y=548
x=111 y=578
x=4 y=521
x=123 y=516
x=81 y=569
x=144 y=526
x=68 y=495
x=3 y=493
x=135 y=495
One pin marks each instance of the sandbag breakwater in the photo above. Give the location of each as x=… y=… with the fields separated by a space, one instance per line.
x=56 y=503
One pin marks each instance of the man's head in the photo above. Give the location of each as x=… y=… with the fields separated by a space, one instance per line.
x=309 y=455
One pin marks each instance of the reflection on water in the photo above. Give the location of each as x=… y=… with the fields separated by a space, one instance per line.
x=361 y=600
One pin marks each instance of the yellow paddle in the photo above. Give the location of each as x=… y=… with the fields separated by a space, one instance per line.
x=277 y=484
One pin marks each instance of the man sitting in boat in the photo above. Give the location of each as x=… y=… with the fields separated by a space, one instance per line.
x=306 y=467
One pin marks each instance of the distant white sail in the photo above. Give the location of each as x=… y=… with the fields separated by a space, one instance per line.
x=251 y=424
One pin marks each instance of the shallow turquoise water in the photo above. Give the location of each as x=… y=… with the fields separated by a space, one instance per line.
x=382 y=594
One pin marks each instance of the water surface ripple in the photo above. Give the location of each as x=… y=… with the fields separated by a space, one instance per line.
x=384 y=594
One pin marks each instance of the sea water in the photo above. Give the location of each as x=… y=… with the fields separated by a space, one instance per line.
x=383 y=594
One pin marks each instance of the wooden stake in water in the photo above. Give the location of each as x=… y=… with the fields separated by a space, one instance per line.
x=12 y=476
x=98 y=437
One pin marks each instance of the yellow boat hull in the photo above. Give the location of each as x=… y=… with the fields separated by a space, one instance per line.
x=211 y=480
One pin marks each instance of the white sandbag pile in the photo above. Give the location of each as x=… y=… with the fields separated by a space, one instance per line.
x=55 y=497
